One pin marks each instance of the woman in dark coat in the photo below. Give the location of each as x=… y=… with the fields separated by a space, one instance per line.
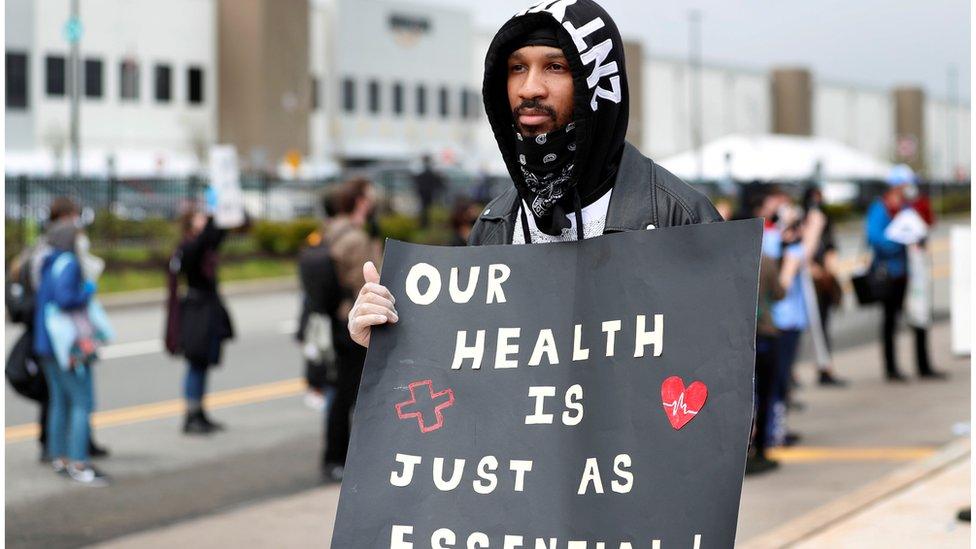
x=203 y=323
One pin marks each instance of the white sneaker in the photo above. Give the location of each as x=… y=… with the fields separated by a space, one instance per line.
x=315 y=401
x=87 y=474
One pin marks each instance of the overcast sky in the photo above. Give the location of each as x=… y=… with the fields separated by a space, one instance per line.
x=879 y=43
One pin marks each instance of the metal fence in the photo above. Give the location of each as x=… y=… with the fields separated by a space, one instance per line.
x=133 y=211
x=136 y=199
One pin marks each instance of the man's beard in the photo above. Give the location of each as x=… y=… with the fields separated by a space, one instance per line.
x=535 y=105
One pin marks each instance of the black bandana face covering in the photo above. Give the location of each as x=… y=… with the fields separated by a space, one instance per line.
x=547 y=162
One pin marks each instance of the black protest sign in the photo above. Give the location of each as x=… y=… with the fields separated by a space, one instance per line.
x=579 y=395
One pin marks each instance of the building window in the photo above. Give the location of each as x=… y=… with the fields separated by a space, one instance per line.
x=442 y=102
x=16 y=80
x=194 y=85
x=465 y=104
x=421 y=100
x=349 y=95
x=315 y=94
x=398 y=98
x=163 y=83
x=54 y=70
x=129 y=80
x=374 y=96
x=474 y=103
x=93 y=78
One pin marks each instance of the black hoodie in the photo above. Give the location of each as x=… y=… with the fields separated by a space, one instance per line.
x=595 y=53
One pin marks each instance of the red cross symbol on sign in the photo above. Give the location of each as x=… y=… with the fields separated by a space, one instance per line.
x=439 y=400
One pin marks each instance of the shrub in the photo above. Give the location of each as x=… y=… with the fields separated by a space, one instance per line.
x=839 y=212
x=282 y=238
x=399 y=226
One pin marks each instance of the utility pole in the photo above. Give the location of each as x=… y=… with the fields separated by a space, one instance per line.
x=72 y=31
x=950 y=120
x=695 y=110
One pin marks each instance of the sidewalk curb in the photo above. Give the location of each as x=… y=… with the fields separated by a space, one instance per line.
x=846 y=507
x=157 y=296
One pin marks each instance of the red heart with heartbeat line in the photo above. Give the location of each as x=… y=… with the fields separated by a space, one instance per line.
x=682 y=404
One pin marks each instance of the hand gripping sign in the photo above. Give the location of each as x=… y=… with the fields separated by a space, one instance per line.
x=581 y=395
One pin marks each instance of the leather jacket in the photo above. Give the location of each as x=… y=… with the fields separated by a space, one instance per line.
x=645 y=196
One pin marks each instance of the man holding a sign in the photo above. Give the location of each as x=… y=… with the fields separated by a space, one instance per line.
x=594 y=393
x=556 y=95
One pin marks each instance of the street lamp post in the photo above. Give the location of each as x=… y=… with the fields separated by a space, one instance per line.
x=695 y=110
x=73 y=34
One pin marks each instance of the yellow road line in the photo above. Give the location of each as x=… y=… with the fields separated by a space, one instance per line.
x=173 y=408
x=810 y=453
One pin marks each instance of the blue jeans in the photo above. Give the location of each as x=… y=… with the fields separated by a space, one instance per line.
x=787 y=345
x=195 y=383
x=69 y=406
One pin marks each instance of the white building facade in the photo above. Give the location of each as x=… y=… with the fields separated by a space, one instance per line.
x=390 y=81
x=148 y=85
x=394 y=82
x=739 y=101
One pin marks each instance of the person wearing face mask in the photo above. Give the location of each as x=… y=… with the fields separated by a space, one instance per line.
x=799 y=238
x=198 y=322
x=63 y=297
x=891 y=258
x=350 y=246
x=555 y=91
x=828 y=293
x=61 y=209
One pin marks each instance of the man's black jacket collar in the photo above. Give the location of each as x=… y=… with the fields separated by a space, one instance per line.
x=645 y=196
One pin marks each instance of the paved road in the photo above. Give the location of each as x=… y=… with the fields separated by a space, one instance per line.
x=271 y=448
x=862 y=443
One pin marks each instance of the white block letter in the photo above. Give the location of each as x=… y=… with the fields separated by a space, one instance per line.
x=478 y=540
x=457 y=294
x=447 y=485
x=611 y=327
x=504 y=348
x=582 y=32
x=512 y=542
x=540 y=394
x=409 y=462
x=396 y=537
x=442 y=536
x=520 y=466
x=497 y=273
x=579 y=353
x=462 y=351
x=574 y=401
x=591 y=473
x=654 y=337
x=486 y=470
x=621 y=463
x=418 y=271
x=545 y=345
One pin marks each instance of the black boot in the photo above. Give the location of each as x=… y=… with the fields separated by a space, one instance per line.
x=196 y=424
x=95 y=451
x=214 y=425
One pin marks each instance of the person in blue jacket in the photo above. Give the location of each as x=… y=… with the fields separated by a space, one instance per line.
x=891 y=258
x=69 y=385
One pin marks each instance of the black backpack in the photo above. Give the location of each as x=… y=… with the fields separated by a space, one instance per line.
x=23 y=371
x=19 y=292
x=317 y=273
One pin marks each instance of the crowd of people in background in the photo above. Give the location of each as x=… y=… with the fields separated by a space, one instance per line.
x=51 y=290
x=799 y=285
x=52 y=287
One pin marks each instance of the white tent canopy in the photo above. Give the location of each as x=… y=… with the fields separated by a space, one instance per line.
x=776 y=157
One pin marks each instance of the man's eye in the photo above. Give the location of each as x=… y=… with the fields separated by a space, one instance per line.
x=517 y=68
x=557 y=67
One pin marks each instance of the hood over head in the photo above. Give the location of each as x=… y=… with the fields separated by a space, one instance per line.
x=595 y=138
x=62 y=235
